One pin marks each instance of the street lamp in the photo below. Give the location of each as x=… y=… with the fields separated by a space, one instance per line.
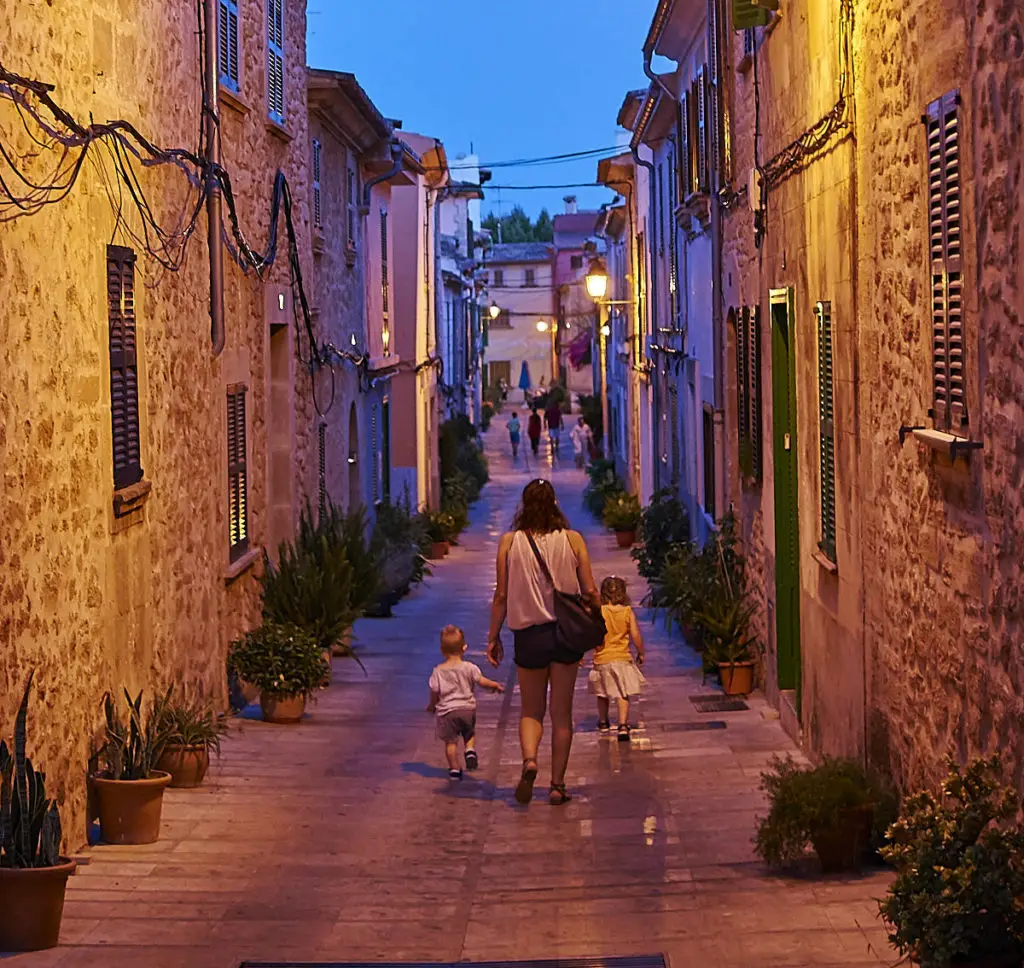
x=542 y=326
x=597 y=279
x=494 y=311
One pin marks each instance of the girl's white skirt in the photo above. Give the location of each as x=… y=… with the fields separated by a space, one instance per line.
x=616 y=680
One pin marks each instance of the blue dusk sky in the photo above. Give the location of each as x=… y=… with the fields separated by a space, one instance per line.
x=511 y=79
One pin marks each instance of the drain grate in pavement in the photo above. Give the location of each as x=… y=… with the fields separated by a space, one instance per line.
x=635 y=961
x=693 y=727
x=715 y=703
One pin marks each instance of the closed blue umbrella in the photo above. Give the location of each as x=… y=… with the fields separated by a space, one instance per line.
x=524 y=377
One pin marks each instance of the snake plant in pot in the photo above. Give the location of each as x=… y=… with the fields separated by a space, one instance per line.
x=33 y=874
x=130 y=788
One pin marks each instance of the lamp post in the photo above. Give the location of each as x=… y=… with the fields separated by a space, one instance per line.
x=597 y=287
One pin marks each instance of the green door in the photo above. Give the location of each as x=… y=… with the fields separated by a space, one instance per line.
x=787 y=536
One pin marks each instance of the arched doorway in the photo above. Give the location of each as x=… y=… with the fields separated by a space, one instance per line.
x=355 y=491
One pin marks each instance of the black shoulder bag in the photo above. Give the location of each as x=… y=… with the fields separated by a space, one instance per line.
x=579 y=626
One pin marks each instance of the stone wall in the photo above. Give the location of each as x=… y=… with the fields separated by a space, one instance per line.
x=943 y=542
x=89 y=601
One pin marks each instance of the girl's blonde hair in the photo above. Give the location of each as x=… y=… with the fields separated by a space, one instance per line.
x=613 y=591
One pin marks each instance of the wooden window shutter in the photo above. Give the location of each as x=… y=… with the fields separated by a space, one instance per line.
x=238 y=480
x=949 y=395
x=673 y=257
x=826 y=422
x=227 y=44
x=275 y=59
x=742 y=327
x=753 y=320
x=322 y=466
x=709 y=462
x=686 y=146
x=385 y=289
x=317 y=202
x=703 y=129
x=712 y=85
x=374 y=454
x=351 y=187
x=124 y=369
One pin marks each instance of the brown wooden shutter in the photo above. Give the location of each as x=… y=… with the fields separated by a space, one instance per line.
x=712 y=85
x=703 y=130
x=686 y=146
x=384 y=286
x=124 y=373
x=238 y=482
x=826 y=431
x=753 y=319
x=742 y=328
x=949 y=407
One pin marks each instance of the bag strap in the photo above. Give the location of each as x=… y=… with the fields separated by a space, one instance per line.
x=540 y=558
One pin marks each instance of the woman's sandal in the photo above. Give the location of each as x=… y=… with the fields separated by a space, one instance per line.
x=557 y=795
x=524 y=791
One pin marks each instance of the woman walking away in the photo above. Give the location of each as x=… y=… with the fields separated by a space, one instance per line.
x=525 y=598
x=513 y=435
x=533 y=429
x=615 y=676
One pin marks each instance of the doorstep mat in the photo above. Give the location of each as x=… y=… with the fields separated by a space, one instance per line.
x=692 y=727
x=715 y=703
x=633 y=961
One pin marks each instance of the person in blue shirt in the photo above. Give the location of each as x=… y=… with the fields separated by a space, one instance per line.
x=513 y=435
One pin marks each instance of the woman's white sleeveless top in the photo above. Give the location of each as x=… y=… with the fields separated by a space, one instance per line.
x=530 y=598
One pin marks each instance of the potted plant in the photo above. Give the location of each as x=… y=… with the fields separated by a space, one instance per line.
x=130 y=788
x=286 y=663
x=193 y=729
x=603 y=486
x=622 y=514
x=439 y=525
x=959 y=857
x=830 y=806
x=729 y=645
x=664 y=524
x=33 y=874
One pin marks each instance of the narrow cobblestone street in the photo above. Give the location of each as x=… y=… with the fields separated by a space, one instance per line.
x=343 y=839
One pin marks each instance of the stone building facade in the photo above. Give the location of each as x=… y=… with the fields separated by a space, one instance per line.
x=106 y=584
x=883 y=533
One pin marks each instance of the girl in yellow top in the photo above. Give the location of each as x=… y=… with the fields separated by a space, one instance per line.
x=615 y=674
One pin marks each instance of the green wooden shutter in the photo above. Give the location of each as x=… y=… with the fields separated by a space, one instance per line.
x=742 y=323
x=238 y=481
x=753 y=320
x=949 y=399
x=275 y=60
x=826 y=424
x=752 y=13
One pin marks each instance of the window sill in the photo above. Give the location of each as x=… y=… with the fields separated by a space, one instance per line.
x=278 y=130
x=238 y=568
x=233 y=100
x=946 y=444
x=826 y=563
x=128 y=500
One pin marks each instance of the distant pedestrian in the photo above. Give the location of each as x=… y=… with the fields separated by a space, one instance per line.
x=525 y=596
x=533 y=430
x=582 y=438
x=615 y=675
x=513 y=434
x=451 y=697
x=553 y=418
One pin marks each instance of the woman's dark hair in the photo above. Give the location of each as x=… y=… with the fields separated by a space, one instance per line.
x=539 y=512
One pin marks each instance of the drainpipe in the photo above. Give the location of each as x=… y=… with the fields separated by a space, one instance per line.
x=213 y=194
x=652 y=307
x=396 y=167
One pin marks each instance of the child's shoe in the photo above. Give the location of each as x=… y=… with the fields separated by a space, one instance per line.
x=604 y=727
x=455 y=774
x=471 y=761
x=623 y=733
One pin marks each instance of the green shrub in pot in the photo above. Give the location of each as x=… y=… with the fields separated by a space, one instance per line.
x=664 y=524
x=621 y=512
x=959 y=858
x=829 y=806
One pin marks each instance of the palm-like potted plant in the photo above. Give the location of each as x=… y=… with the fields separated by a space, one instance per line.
x=729 y=645
x=33 y=874
x=959 y=858
x=622 y=513
x=439 y=525
x=194 y=730
x=130 y=788
x=286 y=663
x=830 y=806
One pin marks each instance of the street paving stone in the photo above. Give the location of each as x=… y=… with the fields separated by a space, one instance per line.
x=342 y=839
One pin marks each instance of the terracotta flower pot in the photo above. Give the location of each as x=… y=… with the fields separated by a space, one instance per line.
x=438 y=550
x=130 y=809
x=186 y=764
x=625 y=538
x=32 y=905
x=282 y=709
x=737 y=678
x=841 y=848
x=342 y=649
